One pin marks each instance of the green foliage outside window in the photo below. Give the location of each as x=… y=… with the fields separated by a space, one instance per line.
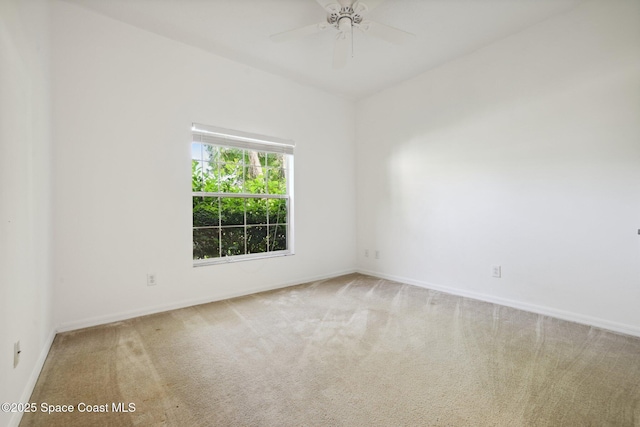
x=250 y=219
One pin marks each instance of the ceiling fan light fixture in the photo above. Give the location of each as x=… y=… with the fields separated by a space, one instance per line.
x=345 y=24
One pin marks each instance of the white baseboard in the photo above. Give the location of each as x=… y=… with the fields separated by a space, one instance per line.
x=116 y=317
x=14 y=421
x=621 y=328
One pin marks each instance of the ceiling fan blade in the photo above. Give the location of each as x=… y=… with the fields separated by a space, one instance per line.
x=369 y=4
x=385 y=32
x=341 y=50
x=329 y=5
x=299 y=32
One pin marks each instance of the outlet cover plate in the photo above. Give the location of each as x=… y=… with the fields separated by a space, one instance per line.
x=496 y=271
x=16 y=354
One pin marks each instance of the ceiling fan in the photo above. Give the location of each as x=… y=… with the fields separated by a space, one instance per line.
x=343 y=16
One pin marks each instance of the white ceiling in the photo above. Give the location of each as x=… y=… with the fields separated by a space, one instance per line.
x=240 y=30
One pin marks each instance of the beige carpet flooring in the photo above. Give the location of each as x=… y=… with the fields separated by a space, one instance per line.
x=350 y=351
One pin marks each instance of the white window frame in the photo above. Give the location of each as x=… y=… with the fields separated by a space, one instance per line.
x=217 y=136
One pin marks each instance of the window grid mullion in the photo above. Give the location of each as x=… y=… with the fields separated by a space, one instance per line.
x=219 y=204
x=240 y=195
x=244 y=204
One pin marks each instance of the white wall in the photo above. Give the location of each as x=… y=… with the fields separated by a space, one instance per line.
x=25 y=197
x=124 y=100
x=524 y=154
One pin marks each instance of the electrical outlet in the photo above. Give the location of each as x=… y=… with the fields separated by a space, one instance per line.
x=151 y=279
x=16 y=354
x=496 y=271
x=366 y=253
x=377 y=255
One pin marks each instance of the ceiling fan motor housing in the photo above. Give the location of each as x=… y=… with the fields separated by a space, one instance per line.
x=345 y=12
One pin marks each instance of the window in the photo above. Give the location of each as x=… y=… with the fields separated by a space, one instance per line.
x=242 y=195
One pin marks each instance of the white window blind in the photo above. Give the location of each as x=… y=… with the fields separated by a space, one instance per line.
x=233 y=138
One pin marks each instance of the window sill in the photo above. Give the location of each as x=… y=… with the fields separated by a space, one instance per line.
x=239 y=258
